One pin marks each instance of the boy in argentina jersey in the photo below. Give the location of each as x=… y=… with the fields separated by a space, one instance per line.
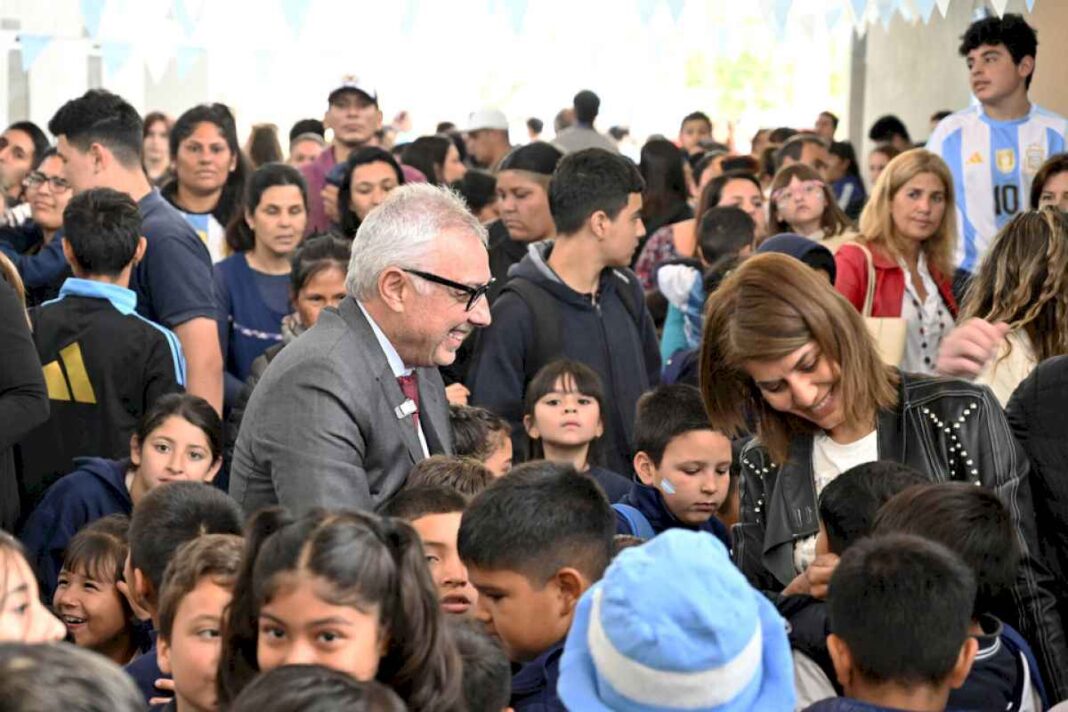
x=995 y=148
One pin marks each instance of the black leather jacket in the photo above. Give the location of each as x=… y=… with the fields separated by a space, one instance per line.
x=946 y=428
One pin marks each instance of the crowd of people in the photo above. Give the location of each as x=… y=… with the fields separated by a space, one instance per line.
x=460 y=425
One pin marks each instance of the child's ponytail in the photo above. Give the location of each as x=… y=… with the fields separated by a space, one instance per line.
x=422 y=664
x=237 y=662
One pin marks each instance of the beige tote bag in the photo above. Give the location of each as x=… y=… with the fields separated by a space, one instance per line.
x=888 y=332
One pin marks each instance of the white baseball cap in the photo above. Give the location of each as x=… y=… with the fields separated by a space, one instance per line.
x=487 y=119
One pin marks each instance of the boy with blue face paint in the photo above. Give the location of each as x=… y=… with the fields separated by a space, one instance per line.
x=683 y=465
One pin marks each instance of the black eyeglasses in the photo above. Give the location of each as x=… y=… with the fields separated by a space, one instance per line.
x=36 y=179
x=475 y=293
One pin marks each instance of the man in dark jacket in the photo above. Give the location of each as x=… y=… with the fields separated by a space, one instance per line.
x=575 y=298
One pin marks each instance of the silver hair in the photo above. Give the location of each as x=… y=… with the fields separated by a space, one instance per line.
x=401 y=231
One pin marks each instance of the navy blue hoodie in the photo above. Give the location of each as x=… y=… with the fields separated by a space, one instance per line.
x=650 y=503
x=534 y=685
x=95 y=489
x=603 y=336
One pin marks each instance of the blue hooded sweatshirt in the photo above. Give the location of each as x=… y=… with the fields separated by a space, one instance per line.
x=94 y=490
x=650 y=503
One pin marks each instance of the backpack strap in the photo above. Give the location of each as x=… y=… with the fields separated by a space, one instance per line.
x=634 y=304
x=548 y=339
x=636 y=521
x=1016 y=643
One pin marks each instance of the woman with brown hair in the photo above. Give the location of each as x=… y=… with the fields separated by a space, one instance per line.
x=786 y=351
x=1023 y=282
x=908 y=234
x=802 y=203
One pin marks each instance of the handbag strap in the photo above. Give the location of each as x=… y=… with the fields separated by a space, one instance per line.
x=869 y=296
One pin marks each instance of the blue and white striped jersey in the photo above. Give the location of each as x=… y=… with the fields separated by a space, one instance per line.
x=993 y=164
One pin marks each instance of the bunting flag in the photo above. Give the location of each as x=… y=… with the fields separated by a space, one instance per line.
x=32 y=46
x=184 y=60
x=886 y=10
x=188 y=14
x=943 y=7
x=999 y=6
x=295 y=12
x=92 y=13
x=860 y=8
x=1030 y=5
x=675 y=6
x=114 y=55
x=833 y=15
x=925 y=7
x=408 y=16
x=517 y=13
x=646 y=10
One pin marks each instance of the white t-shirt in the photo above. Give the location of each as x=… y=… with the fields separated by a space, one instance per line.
x=830 y=459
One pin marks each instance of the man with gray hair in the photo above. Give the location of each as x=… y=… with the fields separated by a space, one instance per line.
x=343 y=412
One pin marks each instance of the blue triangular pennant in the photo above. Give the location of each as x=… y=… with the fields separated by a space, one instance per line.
x=92 y=13
x=517 y=12
x=646 y=10
x=859 y=8
x=675 y=6
x=32 y=46
x=185 y=19
x=114 y=55
x=926 y=8
x=184 y=60
x=295 y=12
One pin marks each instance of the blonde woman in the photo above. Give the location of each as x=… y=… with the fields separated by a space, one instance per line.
x=803 y=203
x=1023 y=282
x=909 y=230
x=784 y=350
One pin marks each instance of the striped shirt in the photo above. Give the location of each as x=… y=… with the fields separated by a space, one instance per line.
x=993 y=164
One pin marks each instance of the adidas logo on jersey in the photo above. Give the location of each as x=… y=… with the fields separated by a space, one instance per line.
x=67 y=378
x=975 y=159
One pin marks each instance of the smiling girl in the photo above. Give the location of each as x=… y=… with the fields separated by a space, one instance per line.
x=88 y=601
x=179 y=438
x=347 y=590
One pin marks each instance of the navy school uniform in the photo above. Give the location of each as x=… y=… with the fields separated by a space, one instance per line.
x=95 y=489
x=534 y=684
x=614 y=484
x=847 y=704
x=650 y=503
x=145 y=671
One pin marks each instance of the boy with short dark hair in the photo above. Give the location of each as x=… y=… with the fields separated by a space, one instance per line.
x=197 y=588
x=575 y=297
x=973 y=523
x=683 y=466
x=464 y=475
x=487 y=674
x=533 y=542
x=995 y=147
x=695 y=128
x=899 y=609
x=482 y=435
x=847 y=510
x=434 y=511
x=61 y=676
x=314 y=688
x=167 y=517
x=104 y=364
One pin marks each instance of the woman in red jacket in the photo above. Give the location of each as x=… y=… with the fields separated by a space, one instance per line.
x=909 y=228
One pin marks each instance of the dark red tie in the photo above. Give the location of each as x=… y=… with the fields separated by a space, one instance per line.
x=410 y=386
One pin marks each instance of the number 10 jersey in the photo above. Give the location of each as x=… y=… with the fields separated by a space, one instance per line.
x=993 y=164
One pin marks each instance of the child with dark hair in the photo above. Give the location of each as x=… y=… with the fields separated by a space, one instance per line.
x=197 y=587
x=88 y=600
x=344 y=589
x=104 y=365
x=562 y=414
x=463 y=475
x=843 y=173
x=973 y=523
x=315 y=688
x=482 y=435
x=179 y=438
x=487 y=674
x=434 y=512
x=847 y=509
x=168 y=516
x=899 y=610
x=683 y=465
x=722 y=232
x=575 y=297
x=533 y=543
x=1000 y=142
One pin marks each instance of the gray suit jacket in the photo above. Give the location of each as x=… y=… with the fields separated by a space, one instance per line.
x=321 y=429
